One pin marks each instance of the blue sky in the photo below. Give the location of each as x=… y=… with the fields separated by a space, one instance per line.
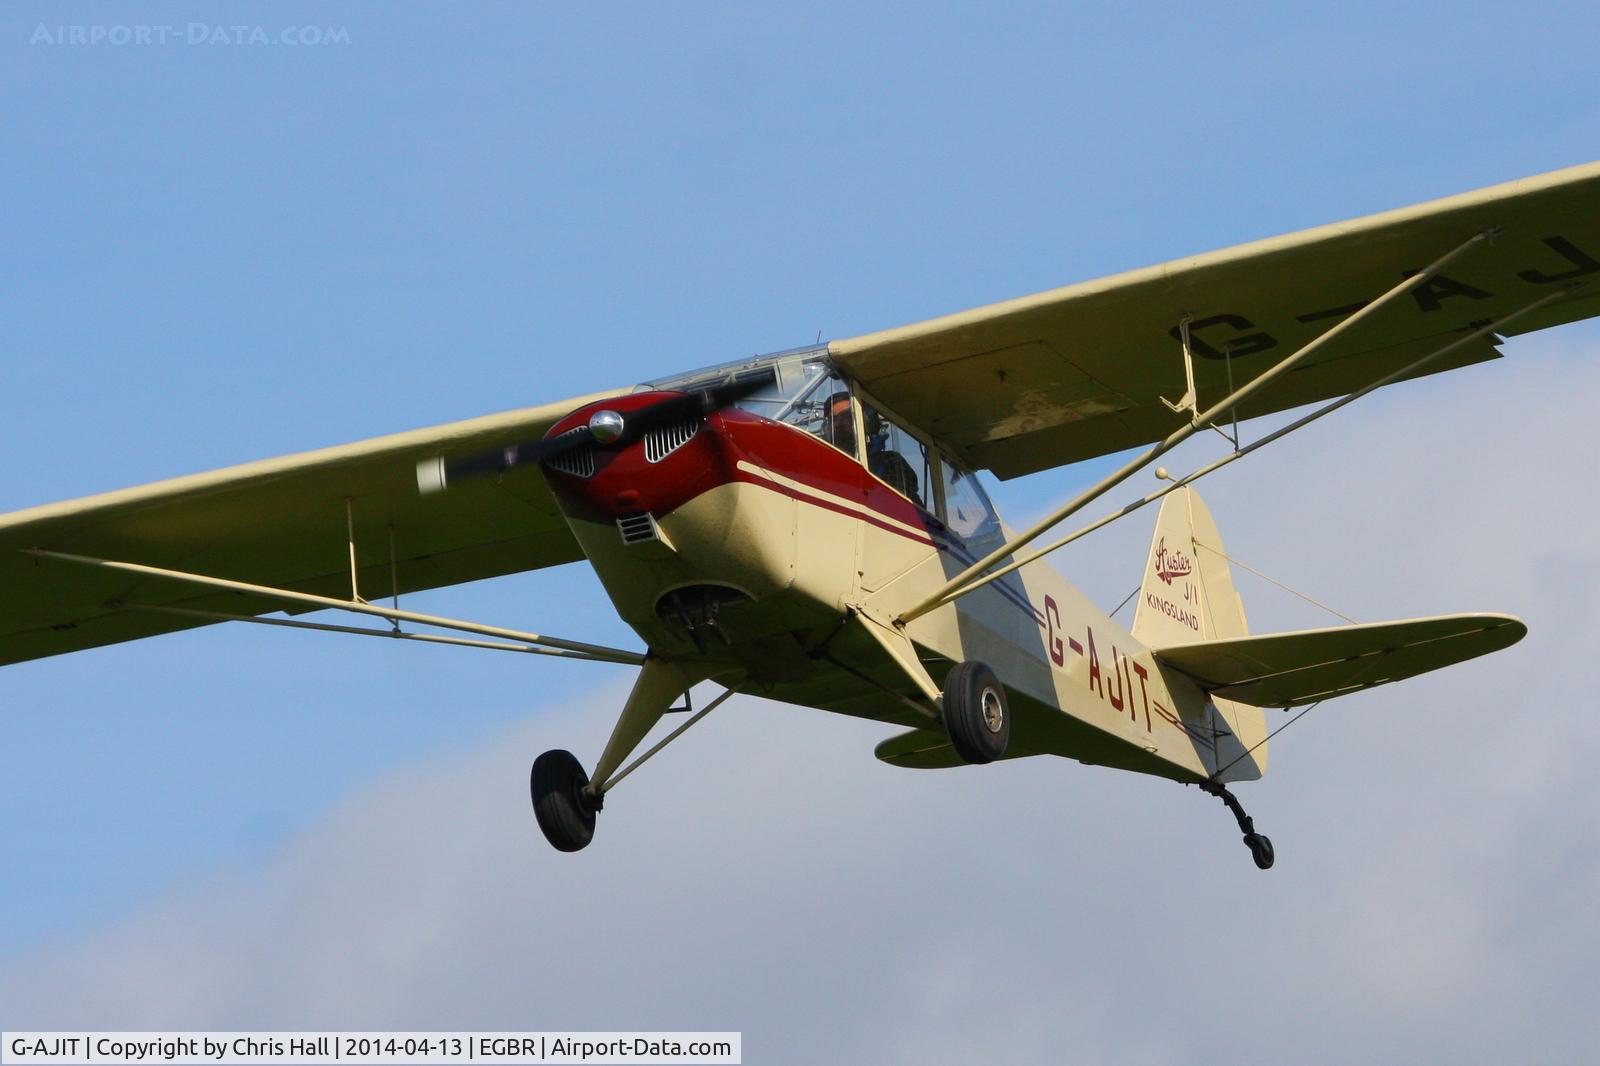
x=217 y=252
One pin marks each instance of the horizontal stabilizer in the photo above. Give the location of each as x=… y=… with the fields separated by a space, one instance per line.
x=1291 y=669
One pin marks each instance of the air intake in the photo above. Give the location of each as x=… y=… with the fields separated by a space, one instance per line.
x=579 y=462
x=638 y=528
x=660 y=443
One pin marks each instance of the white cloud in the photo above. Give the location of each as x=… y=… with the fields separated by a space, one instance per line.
x=1439 y=842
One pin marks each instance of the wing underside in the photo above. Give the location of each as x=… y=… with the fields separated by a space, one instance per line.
x=1081 y=371
x=1013 y=387
x=284 y=523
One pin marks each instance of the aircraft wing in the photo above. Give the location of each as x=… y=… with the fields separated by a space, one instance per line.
x=1081 y=371
x=1291 y=669
x=279 y=522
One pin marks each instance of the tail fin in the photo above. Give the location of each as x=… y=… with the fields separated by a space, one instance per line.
x=1188 y=598
x=1188 y=593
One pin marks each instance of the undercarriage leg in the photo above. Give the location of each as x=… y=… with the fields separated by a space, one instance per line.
x=660 y=683
x=1260 y=847
x=565 y=799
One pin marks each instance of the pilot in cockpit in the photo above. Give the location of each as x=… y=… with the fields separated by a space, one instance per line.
x=839 y=429
x=884 y=462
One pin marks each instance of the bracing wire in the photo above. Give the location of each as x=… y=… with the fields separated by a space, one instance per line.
x=1275 y=581
x=1309 y=708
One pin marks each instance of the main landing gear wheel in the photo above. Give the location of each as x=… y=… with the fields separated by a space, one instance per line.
x=975 y=713
x=1260 y=847
x=565 y=811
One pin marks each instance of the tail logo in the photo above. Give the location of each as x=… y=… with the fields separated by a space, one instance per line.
x=1171 y=564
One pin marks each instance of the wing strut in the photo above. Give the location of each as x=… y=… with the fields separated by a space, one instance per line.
x=962 y=582
x=1240 y=453
x=390 y=634
x=593 y=651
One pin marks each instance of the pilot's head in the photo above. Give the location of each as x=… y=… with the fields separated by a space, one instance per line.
x=841 y=422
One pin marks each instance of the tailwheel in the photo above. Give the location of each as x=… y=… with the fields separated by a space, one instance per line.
x=975 y=713
x=1260 y=850
x=564 y=808
x=1260 y=847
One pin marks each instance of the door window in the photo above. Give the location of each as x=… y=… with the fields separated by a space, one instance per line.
x=898 y=459
x=968 y=512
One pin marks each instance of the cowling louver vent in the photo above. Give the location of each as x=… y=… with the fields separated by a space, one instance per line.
x=579 y=462
x=660 y=443
x=637 y=528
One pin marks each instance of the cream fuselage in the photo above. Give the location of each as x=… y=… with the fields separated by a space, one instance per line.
x=768 y=553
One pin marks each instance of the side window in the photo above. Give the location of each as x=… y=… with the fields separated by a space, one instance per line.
x=825 y=410
x=897 y=458
x=838 y=426
x=968 y=512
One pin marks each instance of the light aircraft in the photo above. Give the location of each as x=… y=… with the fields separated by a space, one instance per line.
x=808 y=526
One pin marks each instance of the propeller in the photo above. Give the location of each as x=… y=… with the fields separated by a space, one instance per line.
x=605 y=427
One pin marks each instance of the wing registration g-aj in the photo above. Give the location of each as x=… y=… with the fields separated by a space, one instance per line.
x=810 y=526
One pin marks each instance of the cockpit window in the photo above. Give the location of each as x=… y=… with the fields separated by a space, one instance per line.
x=968 y=512
x=898 y=459
x=801 y=389
x=789 y=371
x=822 y=407
x=796 y=387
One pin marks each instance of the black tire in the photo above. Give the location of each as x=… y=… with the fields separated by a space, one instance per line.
x=564 y=811
x=1260 y=850
x=975 y=712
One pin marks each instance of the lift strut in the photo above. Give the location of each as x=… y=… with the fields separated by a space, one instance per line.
x=578 y=648
x=972 y=576
x=1240 y=453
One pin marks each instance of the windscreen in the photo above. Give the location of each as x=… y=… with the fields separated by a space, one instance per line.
x=801 y=386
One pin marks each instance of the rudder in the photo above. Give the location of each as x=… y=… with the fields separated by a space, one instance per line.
x=1188 y=597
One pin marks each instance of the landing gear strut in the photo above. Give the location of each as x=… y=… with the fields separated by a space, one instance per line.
x=1260 y=847
x=565 y=799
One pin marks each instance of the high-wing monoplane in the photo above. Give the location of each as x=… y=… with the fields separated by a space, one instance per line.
x=810 y=526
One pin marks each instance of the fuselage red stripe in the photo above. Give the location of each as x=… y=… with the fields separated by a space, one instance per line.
x=863 y=514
